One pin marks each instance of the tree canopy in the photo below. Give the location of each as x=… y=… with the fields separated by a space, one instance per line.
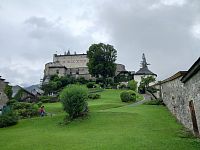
x=102 y=59
x=144 y=84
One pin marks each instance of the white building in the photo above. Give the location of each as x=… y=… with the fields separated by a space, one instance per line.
x=144 y=71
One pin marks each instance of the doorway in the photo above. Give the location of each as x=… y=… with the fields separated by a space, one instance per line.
x=194 y=120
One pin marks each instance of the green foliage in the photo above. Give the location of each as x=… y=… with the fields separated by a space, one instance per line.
x=19 y=95
x=128 y=96
x=8 y=91
x=25 y=110
x=152 y=127
x=123 y=77
x=102 y=59
x=94 y=96
x=132 y=85
x=144 y=84
x=122 y=86
x=154 y=102
x=74 y=99
x=8 y=119
x=152 y=89
x=81 y=80
x=99 y=80
x=48 y=99
x=54 y=77
x=11 y=102
x=39 y=104
x=109 y=82
x=56 y=84
x=90 y=85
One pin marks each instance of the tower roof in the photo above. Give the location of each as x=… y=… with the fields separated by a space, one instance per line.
x=144 y=70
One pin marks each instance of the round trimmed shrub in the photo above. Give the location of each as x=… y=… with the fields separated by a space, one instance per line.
x=128 y=96
x=74 y=102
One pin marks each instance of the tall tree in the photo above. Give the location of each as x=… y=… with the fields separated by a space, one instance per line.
x=102 y=59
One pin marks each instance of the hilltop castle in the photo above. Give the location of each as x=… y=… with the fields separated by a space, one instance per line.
x=76 y=66
x=71 y=64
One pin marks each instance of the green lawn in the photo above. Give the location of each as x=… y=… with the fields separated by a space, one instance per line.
x=110 y=125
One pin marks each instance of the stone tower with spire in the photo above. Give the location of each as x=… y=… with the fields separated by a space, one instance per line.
x=143 y=71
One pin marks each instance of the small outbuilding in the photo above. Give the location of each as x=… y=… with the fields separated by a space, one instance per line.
x=23 y=95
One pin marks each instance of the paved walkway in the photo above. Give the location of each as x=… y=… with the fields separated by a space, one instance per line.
x=146 y=98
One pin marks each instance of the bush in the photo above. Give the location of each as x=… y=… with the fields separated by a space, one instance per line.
x=48 y=99
x=94 y=96
x=128 y=96
x=8 y=119
x=81 y=80
x=74 y=102
x=132 y=85
x=109 y=82
x=25 y=110
x=154 y=102
x=44 y=99
x=90 y=85
x=39 y=104
x=11 y=102
x=122 y=86
x=99 y=80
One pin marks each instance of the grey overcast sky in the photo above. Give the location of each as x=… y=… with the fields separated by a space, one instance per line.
x=31 y=31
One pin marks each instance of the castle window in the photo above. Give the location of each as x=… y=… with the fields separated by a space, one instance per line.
x=57 y=71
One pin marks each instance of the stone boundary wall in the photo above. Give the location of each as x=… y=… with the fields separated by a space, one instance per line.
x=177 y=95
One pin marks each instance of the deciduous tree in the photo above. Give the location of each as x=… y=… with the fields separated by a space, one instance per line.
x=102 y=59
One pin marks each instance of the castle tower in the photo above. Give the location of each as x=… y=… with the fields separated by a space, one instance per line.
x=143 y=71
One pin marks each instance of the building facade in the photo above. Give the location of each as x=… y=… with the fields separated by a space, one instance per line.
x=71 y=64
x=3 y=96
x=23 y=95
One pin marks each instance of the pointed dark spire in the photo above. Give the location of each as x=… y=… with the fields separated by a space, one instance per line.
x=144 y=70
x=144 y=63
x=68 y=53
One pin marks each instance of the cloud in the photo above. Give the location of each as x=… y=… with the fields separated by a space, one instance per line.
x=167 y=31
x=38 y=22
x=196 y=30
x=173 y=2
x=163 y=34
x=33 y=42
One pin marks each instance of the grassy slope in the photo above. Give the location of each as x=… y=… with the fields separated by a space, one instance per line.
x=107 y=127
